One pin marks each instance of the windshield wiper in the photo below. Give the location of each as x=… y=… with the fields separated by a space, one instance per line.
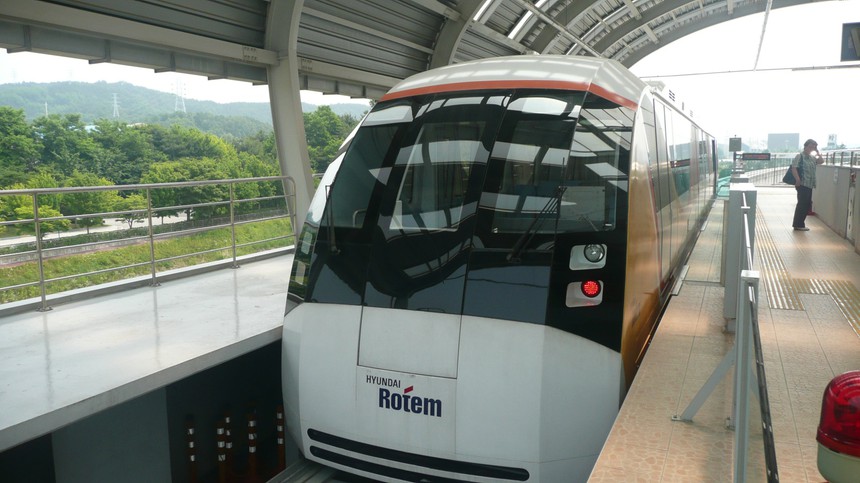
x=551 y=205
x=588 y=220
x=330 y=220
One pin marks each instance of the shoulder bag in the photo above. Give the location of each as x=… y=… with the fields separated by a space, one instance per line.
x=788 y=178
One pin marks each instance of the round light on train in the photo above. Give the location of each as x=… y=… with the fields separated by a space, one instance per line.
x=591 y=288
x=594 y=253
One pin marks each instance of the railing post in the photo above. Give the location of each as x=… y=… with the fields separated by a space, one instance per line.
x=743 y=369
x=154 y=282
x=739 y=194
x=38 y=229
x=233 y=225
x=290 y=199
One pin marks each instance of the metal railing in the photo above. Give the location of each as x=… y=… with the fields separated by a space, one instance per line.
x=770 y=172
x=232 y=212
x=741 y=312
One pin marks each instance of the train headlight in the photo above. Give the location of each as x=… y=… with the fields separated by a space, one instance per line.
x=594 y=253
x=587 y=257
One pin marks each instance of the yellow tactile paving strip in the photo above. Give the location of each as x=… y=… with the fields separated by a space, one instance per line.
x=783 y=291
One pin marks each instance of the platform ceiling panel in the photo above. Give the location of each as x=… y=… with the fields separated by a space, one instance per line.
x=353 y=47
x=238 y=21
x=363 y=35
x=475 y=45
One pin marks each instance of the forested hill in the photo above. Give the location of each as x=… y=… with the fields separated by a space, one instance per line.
x=141 y=105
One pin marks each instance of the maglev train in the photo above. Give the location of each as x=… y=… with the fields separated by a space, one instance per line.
x=482 y=267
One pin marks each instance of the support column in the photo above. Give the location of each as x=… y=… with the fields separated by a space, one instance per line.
x=286 y=103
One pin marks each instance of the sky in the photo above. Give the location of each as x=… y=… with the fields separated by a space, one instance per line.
x=31 y=67
x=750 y=105
x=735 y=102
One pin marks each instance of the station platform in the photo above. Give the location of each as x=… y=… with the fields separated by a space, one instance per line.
x=809 y=319
x=63 y=365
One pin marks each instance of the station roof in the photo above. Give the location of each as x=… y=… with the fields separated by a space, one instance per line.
x=358 y=48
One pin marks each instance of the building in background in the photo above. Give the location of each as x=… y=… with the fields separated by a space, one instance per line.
x=783 y=142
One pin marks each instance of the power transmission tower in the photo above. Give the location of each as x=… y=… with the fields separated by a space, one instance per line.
x=179 y=102
x=115 y=107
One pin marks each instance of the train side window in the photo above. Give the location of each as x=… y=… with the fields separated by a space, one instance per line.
x=596 y=171
x=363 y=167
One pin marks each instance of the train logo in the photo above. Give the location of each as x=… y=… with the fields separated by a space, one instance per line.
x=408 y=403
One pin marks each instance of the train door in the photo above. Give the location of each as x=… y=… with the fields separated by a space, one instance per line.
x=679 y=131
x=695 y=185
x=664 y=198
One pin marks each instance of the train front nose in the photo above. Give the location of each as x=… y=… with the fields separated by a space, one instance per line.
x=381 y=376
x=382 y=391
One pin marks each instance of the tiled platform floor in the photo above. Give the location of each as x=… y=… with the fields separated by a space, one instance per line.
x=804 y=345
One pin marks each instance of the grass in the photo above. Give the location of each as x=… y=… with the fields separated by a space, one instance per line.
x=79 y=264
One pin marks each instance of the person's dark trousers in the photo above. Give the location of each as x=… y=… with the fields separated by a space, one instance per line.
x=804 y=204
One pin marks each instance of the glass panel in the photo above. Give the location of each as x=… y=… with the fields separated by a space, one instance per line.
x=532 y=151
x=361 y=170
x=437 y=170
x=597 y=167
x=418 y=255
x=564 y=161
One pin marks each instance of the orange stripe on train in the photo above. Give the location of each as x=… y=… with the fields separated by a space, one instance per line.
x=512 y=84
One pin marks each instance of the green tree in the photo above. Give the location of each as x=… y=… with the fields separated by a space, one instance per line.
x=179 y=142
x=164 y=172
x=43 y=178
x=202 y=169
x=45 y=226
x=11 y=203
x=88 y=202
x=188 y=169
x=129 y=205
x=325 y=132
x=66 y=145
x=261 y=145
x=19 y=150
x=128 y=150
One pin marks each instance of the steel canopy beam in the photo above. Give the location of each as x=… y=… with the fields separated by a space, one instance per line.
x=98 y=25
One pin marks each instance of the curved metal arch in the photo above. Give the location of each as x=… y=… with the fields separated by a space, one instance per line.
x=452 y=33
x=544 y=41
x=678 y=28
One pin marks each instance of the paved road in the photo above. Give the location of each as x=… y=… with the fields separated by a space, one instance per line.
x=109 y=225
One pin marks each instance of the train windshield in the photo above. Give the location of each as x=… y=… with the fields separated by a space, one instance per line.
x=429 y=180
x=552 y=156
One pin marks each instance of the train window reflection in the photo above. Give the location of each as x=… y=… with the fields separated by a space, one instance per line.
x=395 y=114
x=559 y=172
x=553 y=106
x=317 y=207
x=362 y=169
x=437 y=168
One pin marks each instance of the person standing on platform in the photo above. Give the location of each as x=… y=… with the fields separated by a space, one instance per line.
x=803 y=169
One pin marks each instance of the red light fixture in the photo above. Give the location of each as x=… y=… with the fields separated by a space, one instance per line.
x=591 y=288
x=839 y=429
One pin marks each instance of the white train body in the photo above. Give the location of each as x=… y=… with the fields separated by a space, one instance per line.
x=472 y=305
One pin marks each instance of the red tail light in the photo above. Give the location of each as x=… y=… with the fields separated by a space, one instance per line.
x=839 y=429
x=591 y=288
